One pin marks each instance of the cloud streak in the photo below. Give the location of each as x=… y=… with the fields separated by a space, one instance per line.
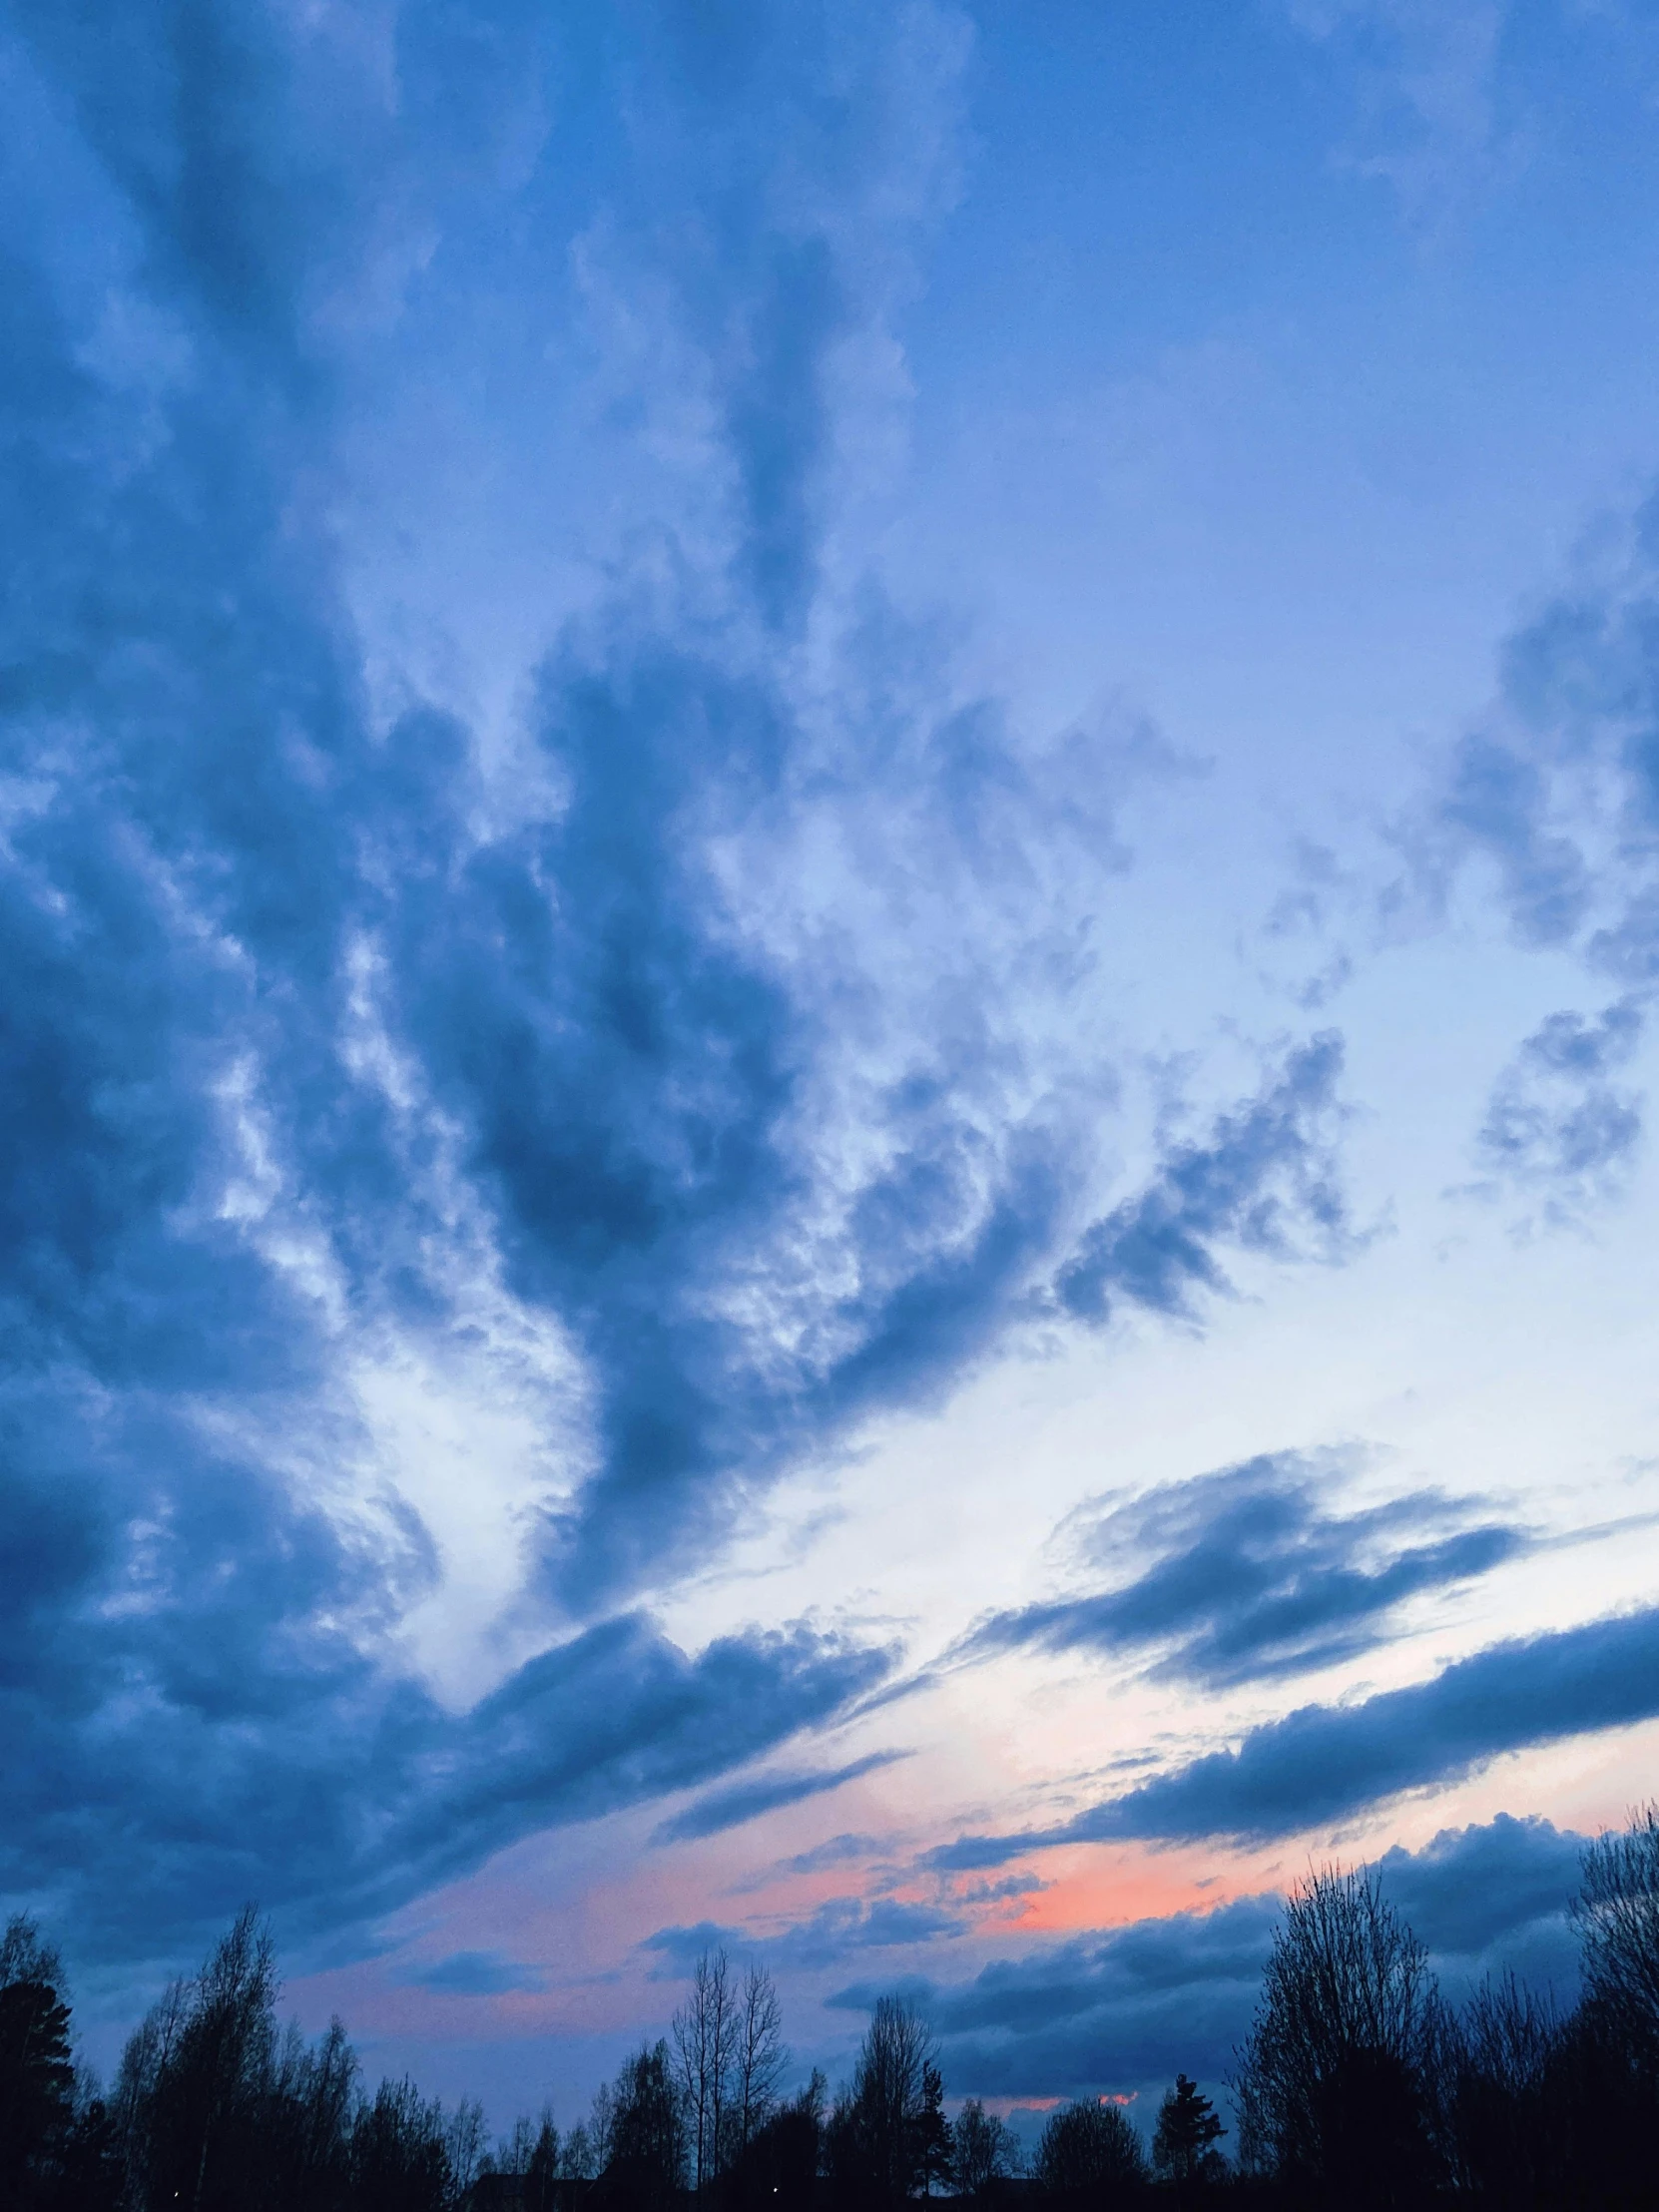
x=1324 y=1763
x=747 y=1800
x=1265 y=1181
x=1251 y=1578
x=836 y=1930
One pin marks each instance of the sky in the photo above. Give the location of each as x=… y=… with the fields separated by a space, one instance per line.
x=829 y=910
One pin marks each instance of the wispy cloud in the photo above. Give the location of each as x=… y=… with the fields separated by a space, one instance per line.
x=836 y=1930
x=1247 y=1575
x=472 y=1974
x=1264 y=1179
x=1431 y=119
x=1558 y=1123
x=747 y=1800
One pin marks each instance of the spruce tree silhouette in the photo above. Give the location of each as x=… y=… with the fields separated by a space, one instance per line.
x=37 y=2073
x=1184 y=2144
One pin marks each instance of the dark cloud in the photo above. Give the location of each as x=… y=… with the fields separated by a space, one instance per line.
x=1102 y=2013
x=747 y=1800
x=293 y=988
x=274 y=1760
x=1251 y=1576
x=1264 y=1180
x=1324 y=1763
x=1477 y=1889
x=1124 y=2010
x=834 y=1851
x=837 y=1927
x=472 y=1974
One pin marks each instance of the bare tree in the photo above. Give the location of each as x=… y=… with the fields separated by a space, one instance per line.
x=514 y=2152
x=541 y=2167
x=209 y=2088
x=309 y=2118
x=879 y=2135
x=759 y=2058
x=464 y=2139
x=578 y=2160
x=705 y=2033
x=983 y=2150
x=647 y=2165
x=1506 y=2123
x=1333 y=2084
x=1617 y=1913
x=601 y=2127
x=400 y=2161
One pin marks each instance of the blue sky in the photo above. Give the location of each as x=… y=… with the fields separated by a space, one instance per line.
x=827 y=865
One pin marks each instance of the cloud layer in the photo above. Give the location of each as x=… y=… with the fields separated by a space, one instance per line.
x=1123 y=2009
x=653 y=1058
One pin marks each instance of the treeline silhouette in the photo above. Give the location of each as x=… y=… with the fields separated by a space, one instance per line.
x=1358 y=2085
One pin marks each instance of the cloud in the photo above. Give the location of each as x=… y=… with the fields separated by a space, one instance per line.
x=480 y=1973
x=1500 y=800
x=1558 y=1123
x=1101 y=2012
x=254 y=1137
x=1558 y=786
x=1124 y=2009
x=1250 y=1577
x=1556 y=791
x=195 y=1711
x=701 y=1052
x=1263 y=1181
x=1473 y=1890
x=1324 y=1763
x=834 y=1851
x=1427 y=87
x=837 y=1927
x=747 y=1800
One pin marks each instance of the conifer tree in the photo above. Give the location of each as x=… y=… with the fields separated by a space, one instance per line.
x=1184 y=2145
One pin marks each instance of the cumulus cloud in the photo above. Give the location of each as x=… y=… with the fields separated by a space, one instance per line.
x=1321 y=1764
x=1250 y=1576
x=1475 y=1892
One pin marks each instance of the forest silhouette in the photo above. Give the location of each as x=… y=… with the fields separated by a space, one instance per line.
x=1359 y=2084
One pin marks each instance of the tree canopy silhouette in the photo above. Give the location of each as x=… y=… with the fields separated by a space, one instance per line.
x=1358 y=2087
